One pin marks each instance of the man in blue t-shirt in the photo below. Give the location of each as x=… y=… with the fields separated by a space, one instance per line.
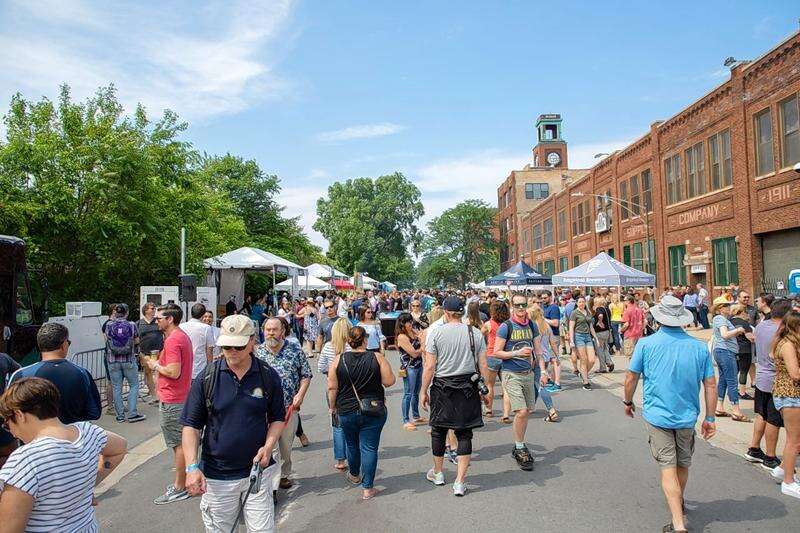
x=80 y=400
x=518 y=341
x=674 y=365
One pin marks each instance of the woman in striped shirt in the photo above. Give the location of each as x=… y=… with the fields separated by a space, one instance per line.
x=47 y=484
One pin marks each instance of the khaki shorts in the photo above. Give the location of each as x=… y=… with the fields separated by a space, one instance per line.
x=520 y=390
x=671 y=447
x=627 y=347
x=171 y=428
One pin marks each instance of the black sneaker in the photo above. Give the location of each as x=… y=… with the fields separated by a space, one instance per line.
x=138 y=417
x=755 y=455
x=587 y=386
x=770 y=463
x=523 y=458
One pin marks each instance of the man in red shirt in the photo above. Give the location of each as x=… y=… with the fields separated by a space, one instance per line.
x=632 y=326
x=174 y=372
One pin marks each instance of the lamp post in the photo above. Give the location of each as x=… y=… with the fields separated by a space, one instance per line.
x=626 y=204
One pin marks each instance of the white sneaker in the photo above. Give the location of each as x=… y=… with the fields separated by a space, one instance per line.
x=433 y=477
x=791 y=489
x=777 y=474
x=459 y=489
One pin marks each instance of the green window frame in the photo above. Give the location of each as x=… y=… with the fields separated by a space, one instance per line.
x=726 y=261
x=539 y=267
x=563 y=264
x=638 y=256
x=677 y=272
x=626 y=255
x=549 y=267
x=576 y=260
x=651 y=256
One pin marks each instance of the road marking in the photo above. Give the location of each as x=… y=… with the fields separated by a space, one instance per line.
x=136 y=457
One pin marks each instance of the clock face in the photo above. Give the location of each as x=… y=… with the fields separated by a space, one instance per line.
x=553 y=158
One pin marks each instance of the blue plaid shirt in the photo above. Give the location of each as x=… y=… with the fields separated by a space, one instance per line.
x=290 y=363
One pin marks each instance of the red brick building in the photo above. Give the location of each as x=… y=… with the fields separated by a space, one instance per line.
x=709 y=195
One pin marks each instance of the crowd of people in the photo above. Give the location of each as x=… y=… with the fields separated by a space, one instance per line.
x=456 y=351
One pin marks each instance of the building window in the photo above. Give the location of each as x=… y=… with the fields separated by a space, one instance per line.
x=626 y=255
x=695 y=170
x=635 y=198
x=563 y=264
x=581 y=226
x=525 y=240
x=651 y=257
x=675 y=180
x=576 y=260
x=726 y=261
x=765 y=159
x=638 y=257
x=647 y=191
x=677 y=272
x=549 y=267
x=539 y=268
x=611 y=253
x=508 y=197
x=623 y=195
x=547 y=232
x=537 y=237
x=719 y=147
x=790 y=132
x=574 y=221
x=562 y=226
x=587 y=216
x=537 y=191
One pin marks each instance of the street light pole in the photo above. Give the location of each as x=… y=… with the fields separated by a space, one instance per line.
x=619 y=202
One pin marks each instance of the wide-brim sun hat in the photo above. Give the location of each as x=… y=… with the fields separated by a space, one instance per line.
x=671 y=312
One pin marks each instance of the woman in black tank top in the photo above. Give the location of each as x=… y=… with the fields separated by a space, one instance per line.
x=360 y=374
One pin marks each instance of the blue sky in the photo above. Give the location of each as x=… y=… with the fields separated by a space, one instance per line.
x=446 y=92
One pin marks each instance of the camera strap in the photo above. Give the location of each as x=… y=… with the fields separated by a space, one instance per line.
x=472 y=348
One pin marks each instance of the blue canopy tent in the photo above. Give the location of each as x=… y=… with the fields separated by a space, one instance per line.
x=519 y=275
x=604 y=271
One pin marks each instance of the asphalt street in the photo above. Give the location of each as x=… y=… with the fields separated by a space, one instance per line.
x=593 y=472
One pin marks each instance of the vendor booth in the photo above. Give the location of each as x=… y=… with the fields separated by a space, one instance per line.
x=227 y=271
x=325 y=271
x=309 y=283
x=604 y=271
x=519 y=277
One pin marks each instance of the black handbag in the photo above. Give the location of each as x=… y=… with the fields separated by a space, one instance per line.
x=367 y=406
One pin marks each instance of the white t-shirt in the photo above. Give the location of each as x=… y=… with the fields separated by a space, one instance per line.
x=60 y=476
x=341 y=311
x=202 y=337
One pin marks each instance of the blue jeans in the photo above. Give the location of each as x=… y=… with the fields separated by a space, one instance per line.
x=130 y=372
x=726 y=361
x=411 y=386
x=702 y=316
x=547 y=398
x=615 y=335
x=362 y=434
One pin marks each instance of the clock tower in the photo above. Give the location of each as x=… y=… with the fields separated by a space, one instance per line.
x=551 y=149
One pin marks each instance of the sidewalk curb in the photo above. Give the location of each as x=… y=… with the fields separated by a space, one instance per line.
x=135 y=458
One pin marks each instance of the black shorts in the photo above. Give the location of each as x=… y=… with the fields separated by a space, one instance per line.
x=765 y=407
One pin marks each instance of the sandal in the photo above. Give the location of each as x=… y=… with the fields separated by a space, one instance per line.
x=552 y=417
x=721 y=414
x=740 y=418
x=488 y=414
x=355 y=480
x=505 y=420
x=408 y=426
x=340 y=467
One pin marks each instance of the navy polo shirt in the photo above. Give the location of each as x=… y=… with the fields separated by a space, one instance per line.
x=238 y=426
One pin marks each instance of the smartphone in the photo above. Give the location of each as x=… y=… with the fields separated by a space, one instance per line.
x=335 y=419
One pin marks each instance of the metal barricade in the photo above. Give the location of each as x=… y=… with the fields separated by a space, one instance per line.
x=95 y=362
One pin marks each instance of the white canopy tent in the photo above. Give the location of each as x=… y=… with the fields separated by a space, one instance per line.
x=324 y=271
x=227 y=271
x=309 y=283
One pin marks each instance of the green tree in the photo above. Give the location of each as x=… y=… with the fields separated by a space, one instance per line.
x=460 y=245
x=371 y=226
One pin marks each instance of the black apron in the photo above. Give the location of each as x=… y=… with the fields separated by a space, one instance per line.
x=455 y=403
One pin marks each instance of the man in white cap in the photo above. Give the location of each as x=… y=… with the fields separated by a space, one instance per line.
x=673 y=364
x=238 y=401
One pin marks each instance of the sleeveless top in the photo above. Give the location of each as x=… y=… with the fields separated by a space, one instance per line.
x=493 y=327
x=366 y=374
x=413 y=362
x=616 y=311
x=784 y=385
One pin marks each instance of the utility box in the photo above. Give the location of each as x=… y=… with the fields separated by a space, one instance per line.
x=84 y=309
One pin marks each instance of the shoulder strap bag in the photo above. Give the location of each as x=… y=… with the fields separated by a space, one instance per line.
x=367 y=406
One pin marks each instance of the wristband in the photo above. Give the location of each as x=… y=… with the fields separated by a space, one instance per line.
x=710 y=419
x=192 y=467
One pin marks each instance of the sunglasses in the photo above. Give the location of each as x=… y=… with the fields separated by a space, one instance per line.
x=328 y=307
x=520 y=306
x=234 y=348
x=5 y=422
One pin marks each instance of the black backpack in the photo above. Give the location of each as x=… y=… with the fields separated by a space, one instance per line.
x=211 y=375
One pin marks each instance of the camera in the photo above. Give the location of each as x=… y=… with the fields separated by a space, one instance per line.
x=255 y=478
x=477 y=379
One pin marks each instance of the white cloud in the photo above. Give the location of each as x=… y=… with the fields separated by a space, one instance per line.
x=199 y=62
x=364 y=131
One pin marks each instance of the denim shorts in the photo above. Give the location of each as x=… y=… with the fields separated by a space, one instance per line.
x=785 y=401
x=494 y=363
x=583 y=339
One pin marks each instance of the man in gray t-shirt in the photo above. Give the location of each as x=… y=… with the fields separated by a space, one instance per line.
x=326 y=324
x=450 y=344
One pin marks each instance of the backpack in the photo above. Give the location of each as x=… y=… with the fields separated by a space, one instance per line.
x=211 y=375
x=121 y=334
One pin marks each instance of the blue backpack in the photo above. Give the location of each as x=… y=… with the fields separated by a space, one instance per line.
x=121 y=334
